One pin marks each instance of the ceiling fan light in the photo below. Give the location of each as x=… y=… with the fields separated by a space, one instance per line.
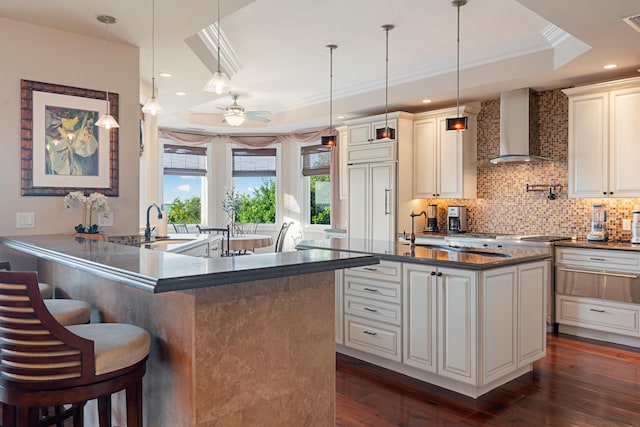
x=107 y=121
x=218 y=83
x=234 y=120
x=152 y=106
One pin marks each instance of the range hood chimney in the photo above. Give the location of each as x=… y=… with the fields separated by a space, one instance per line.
x=519 y=127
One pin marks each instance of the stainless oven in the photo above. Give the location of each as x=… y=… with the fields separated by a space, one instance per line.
x=609 y=285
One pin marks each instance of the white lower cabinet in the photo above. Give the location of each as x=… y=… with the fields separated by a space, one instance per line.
x=456 y=306
x=339 y=300
x=467 y=330
x=419 y=316
x=372 y=306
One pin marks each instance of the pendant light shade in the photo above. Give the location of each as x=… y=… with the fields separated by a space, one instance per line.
x=107 y=121
x=458 y=123
x=219 y=82
x=387 y=132
x=152 y=106
x=330 y=140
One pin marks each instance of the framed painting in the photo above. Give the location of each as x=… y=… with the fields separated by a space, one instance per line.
x=62 y=149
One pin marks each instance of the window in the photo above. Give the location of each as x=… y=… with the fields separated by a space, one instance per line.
x=185 y=174
x=254 y=177
x=316 y=161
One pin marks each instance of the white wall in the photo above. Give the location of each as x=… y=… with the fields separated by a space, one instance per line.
x=51 y=56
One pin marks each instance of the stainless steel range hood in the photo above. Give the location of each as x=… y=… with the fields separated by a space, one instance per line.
x=519 y=140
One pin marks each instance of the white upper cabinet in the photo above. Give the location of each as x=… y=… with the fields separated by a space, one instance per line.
x=444 y=161
x=603 y=141
x=372 y=132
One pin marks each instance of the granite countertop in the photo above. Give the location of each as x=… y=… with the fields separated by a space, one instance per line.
x=158 y=271
x=466 y=258
x=586 y=244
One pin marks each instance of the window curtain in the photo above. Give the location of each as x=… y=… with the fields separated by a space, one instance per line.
x=265 y=141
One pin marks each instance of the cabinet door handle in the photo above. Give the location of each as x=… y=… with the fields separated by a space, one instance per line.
x=370 y=290
x=370 y=269
x=369 y=332
x=372 y=310
x=433 y=273
x=439 y=274
x=597 y=311
x=387 y=192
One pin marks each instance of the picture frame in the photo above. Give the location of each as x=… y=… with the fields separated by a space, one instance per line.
x=61 y=148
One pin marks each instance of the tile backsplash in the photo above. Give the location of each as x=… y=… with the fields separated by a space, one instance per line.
x=503 y=204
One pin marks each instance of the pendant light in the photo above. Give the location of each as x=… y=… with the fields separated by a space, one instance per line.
x=219 y=82
x=152 y=106
x=458 y=123
x=330 y=140
x=387 y=132
x=107 y=121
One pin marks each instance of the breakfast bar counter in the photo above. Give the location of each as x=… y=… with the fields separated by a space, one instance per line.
x=235 y=341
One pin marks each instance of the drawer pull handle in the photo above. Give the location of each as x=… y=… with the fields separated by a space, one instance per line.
x=599 y=273
x=596 y=310
x=597 y=259
x=370 y=269
x=369 y=332
x=372 y=310
x=370 y=290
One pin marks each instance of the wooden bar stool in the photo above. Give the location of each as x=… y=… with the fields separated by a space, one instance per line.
x=44 y=364
x=66 y=311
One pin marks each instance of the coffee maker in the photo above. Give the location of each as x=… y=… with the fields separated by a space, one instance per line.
x=456 y=219
x=432 y=219
x=598 y=231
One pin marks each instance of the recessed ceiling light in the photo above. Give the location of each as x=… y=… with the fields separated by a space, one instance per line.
x=165 y=74
x=340 y=117
x=181 y=93
x=426 y=101
x=610 y=66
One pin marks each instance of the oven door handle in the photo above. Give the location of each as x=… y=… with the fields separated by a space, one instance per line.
x=599 y=273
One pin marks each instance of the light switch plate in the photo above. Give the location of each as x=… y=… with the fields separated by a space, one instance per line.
x=25 y=220
x=105 y=220
x=626 y=225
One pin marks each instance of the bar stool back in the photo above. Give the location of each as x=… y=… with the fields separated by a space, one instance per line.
x=44 y=364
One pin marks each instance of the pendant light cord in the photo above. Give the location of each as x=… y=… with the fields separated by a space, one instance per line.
x=331 y=47
x=153 y=48
x=108 y=50
x=458 y=67
x=218 y=32
x=386 y=78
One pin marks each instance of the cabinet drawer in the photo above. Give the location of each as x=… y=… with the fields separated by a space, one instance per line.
x=370 y=153
x=373 y=337
x=386 y=270
x=373 y=309
x=599 y=259
x=372 y=289
x=597 y=314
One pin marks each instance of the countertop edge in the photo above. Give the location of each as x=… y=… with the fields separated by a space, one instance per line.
x=231 y=277
x=499 y=262
x=278 y=265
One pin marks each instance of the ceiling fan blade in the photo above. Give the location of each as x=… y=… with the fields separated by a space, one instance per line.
x=258 y=119
x=222 y=108
x=259 y=113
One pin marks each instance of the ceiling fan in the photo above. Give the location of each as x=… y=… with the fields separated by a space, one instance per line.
x=235 y=114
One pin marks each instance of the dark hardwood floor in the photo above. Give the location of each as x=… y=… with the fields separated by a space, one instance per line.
x=579 y=383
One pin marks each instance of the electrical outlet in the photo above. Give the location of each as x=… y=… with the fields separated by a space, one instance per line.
x=25 y=220
x=626 y=225
x=105 y=220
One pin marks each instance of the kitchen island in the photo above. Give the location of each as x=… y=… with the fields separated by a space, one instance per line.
x=235 y=341
x=465 y=319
